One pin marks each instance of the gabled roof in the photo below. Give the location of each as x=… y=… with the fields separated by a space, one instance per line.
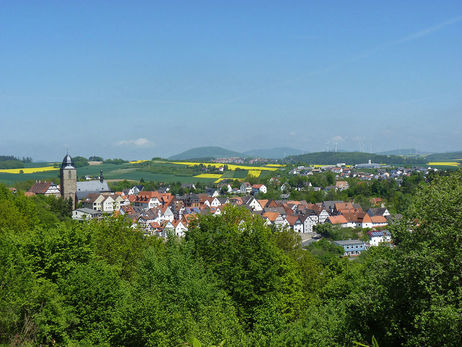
x=354 y=216
x=40 y=187
x=262 y=202
x=271 y=215
x=337 y=219
x=292 y=219
x=378 y=219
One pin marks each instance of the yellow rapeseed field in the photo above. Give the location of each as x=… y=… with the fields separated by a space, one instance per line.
x=443 y=163
x=28 y=170
x=231 y=167
x=208 y=176
x=254 y=173
x=138 y=161
x=276 y=165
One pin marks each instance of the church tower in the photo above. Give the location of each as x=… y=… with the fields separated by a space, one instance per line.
x=68 y=179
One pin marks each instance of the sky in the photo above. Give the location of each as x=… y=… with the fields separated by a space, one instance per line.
x=141 y=79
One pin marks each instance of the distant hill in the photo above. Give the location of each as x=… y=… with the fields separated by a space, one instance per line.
x=444 y=156
x=273 y=153
x=205 y=152
x=325 y=158
x=10 y=162
x=403 y=151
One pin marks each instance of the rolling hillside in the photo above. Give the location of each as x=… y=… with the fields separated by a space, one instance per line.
x=273 y=153
x=444 y=156
x=326 y=158
x=205 y=152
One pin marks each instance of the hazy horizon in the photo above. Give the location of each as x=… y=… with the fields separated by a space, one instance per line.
x=142 y=79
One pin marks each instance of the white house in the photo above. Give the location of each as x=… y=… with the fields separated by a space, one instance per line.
x=246 y=188
x=212 y=202
x=309 y=223
x=378 y=237
x=295 y=223
x=85 y=214
x=259 y=188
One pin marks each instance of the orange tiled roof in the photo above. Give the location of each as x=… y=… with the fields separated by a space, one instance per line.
x=337 y=219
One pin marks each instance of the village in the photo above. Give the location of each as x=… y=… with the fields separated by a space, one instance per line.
x=160 y=212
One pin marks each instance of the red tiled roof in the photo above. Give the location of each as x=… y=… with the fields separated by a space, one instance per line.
x=40 y=187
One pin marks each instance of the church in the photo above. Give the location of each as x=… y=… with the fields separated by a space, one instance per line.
x=71 y=189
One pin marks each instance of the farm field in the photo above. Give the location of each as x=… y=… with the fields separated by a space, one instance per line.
x=158 y=171
x=231 y=167
x=443 y=163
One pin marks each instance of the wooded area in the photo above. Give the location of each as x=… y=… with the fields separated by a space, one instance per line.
x=231 y=280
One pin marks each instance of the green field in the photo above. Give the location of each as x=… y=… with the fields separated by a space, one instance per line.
x=157 y=172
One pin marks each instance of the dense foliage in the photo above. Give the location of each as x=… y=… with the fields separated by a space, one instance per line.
x=230 y=281
x=11 y=162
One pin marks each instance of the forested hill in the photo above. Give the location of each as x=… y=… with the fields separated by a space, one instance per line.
x=273 y=153
x=11 y=162
x=326 y=158
x=205 y=152
x=444 y=156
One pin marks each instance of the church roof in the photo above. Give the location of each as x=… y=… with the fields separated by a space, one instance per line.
x=67 y=162
x=89 y=187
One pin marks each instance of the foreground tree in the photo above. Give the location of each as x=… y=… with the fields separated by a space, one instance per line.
x=238 y=248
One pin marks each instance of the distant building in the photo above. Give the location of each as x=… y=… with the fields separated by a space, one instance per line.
x=45 y=188
x=92 y=187
x=85 y=214
x=351 y=247
x=369 y=165
x=68 y=178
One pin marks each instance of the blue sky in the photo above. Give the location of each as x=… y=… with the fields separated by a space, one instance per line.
x=138 y=79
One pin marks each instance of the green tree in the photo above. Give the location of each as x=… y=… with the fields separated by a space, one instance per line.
x=237 y=247
x=173 y=299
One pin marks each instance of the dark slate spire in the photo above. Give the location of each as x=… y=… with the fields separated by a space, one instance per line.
x=67 y=162
x=101 y=178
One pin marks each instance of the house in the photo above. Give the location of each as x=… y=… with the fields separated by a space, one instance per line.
x=252 y=203
x=93 y=201
x=134 y=190
x=308 y=222
x=354 y=217
x=212 y=202
x=338 y=220
x=259 y=188
x=82 y=214
x=374 y=221
x=275 y=219
x=148 y=199
x=382 y=211
x=246 y=188
x=378 y=237
x=295 y=223
x=180 y=227
x=212 y=192
x=351 y=247
x=45 y=188
x=341 y=185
